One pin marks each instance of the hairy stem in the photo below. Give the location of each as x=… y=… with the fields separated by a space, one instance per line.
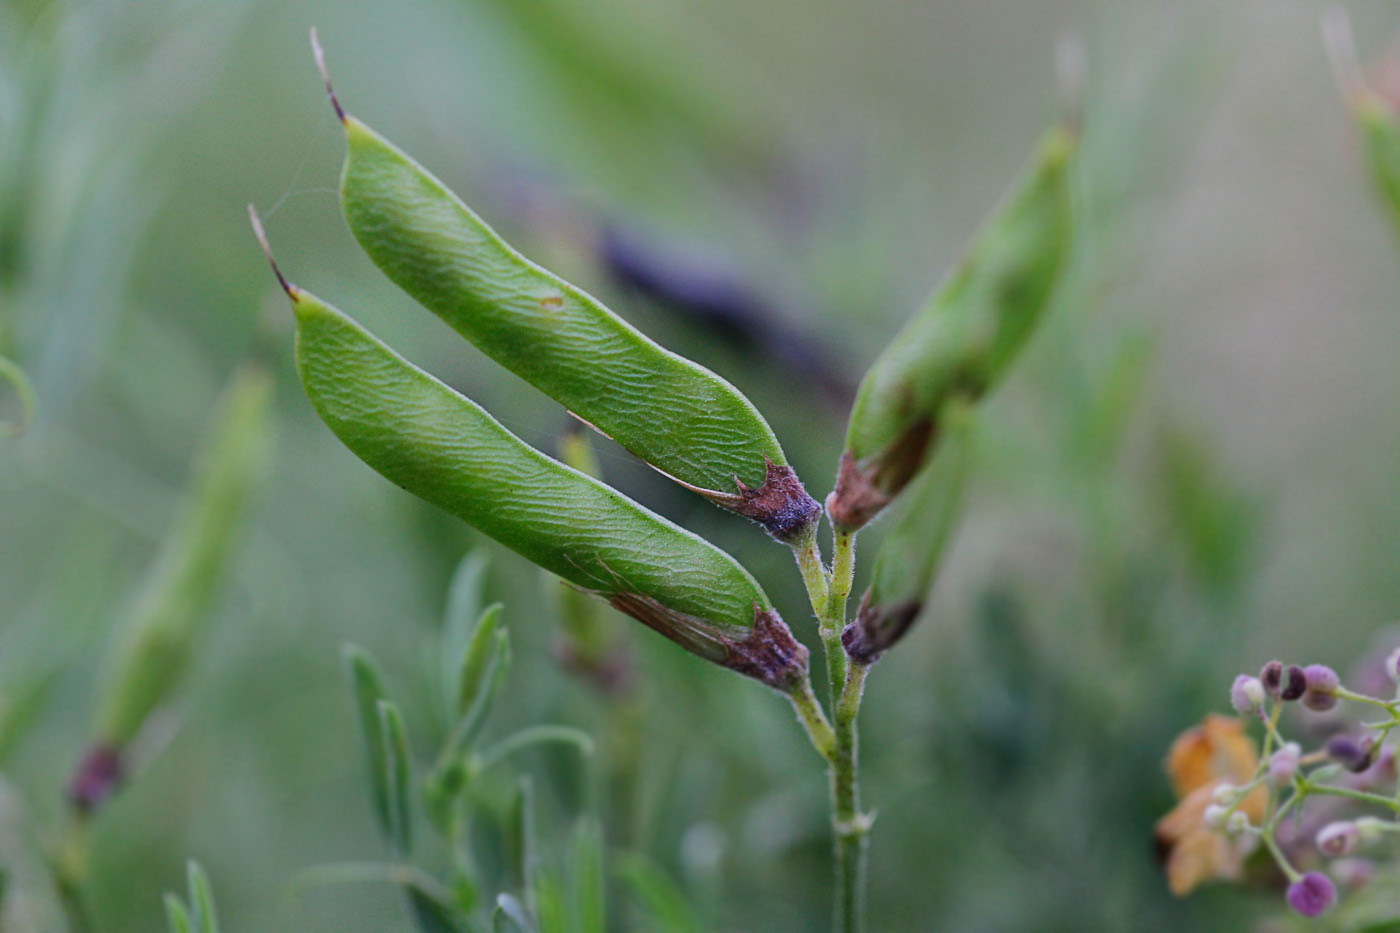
x=837 y=740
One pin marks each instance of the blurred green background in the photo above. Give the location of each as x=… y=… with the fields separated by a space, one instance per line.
x=1192 y=472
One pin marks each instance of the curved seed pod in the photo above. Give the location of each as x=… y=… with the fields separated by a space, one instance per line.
x=908 y=560
x=444 y=448
x=673 y=413
x=155 y=650
x=962 y=340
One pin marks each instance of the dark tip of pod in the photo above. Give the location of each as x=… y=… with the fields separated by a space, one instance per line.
x=261 y=234
x=320 y=55
x=780 y=504
x=98 y=776
x=877 y=628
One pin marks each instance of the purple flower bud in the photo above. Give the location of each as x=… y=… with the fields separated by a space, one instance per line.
x=1271 y=677
x=1321 y=692
x=1247 y=695
x=1338 y=839
x=1283 y=764
x=1392 y=665
x=1295 y=684
x=1353 y=755
x=1312 y=895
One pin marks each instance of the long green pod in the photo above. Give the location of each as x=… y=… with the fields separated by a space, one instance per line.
x=676 y=415
x=444 y=448
x=963 y=338
x=1376 y=116
x=907 y=562
x=155 y=648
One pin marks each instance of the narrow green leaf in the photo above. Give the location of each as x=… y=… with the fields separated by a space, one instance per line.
x=908 y=560
x=202 y=900
x=960 y=343
x=673 y=413
x=551 y=906
x=660 y=900
x=179 y=590
x=520 y=837
x=367 y=688
x=493 y=678
x=398 y=776
x=460 y=619
x=587 y=877
x=444 y=448
x=177 y=917
x=473 y=676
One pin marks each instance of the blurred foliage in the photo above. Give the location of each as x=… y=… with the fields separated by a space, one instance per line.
x=1194 y=468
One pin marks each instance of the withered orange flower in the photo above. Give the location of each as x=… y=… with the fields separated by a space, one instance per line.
x=1201 y=759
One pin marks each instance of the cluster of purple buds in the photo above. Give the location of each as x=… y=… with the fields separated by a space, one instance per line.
x=1316 y=685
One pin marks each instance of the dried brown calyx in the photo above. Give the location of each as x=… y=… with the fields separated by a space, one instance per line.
x=780 y=504
x=768 y=652
x=864 y=487
x=877 y=628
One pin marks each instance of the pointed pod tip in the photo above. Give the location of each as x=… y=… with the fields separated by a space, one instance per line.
x=1340 y=42
x=1071 y=72
x=292 y=291
x=320 y=55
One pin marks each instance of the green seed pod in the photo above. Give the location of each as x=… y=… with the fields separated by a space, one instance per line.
x=673 y=413
x=962 y=340
x=447 y=450
x=155 y=650
x=908 y=560
x=1375 y=115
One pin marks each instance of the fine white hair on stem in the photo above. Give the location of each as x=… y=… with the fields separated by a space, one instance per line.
x=1340 y=43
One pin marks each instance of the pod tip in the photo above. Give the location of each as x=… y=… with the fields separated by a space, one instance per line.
x=320 y=55
x=261 y=234
x=1340 y=43
x=1071 y=70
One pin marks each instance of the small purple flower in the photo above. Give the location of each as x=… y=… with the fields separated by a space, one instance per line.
x=1392 y=665
x=1271 y=677
x=1353 y=755
x=1312 y=895
x=1337 y=839
x=1321 y=692
x=1295 y=684
x=1283 y=764
x=1247 y=695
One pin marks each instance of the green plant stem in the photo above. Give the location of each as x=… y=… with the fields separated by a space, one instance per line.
x=1365 y=797
x=814 y=577
x=809 y=713
x=846 y=683
x=843 y=570
x=849 y=824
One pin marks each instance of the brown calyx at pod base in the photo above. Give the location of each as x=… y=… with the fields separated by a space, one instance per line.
x=768 y=653
x=780 y=504
x=877 y=628
x=862 y=493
